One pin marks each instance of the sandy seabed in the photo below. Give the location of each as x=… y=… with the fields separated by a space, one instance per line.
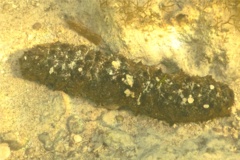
x=200 y=37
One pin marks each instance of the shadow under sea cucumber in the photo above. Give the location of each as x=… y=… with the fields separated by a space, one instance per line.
x=110 y=79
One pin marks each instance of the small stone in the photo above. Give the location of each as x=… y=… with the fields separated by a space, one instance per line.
x=119 y=118
x=36 y=26
x=112 y=106
x=45 y=139
x=7 y=7
x=117 y=138
x=109 y=118
x=75 y=124
x=14 y=140
x=77 y=138
x=5 y=151
x=29 y=151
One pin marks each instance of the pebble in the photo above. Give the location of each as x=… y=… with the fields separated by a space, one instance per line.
x=77 y=138
x=45 y=139
x=75 y=125
x=37 y=26
x=14 y=140
x=109 y=118
x=7 y=7
x=118 y=139
x=119 y=118
x=5 y=151
x=61 y=135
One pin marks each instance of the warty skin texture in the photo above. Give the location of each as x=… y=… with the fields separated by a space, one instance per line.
x=110 y=79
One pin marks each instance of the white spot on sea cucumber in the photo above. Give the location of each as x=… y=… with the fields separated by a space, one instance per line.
x=167 y=81
x=63 y=66
x=25 y=57
x=184 y=100
x=139 y=98
x=80 y=69
x=191 y=85
x=211 y=87
x=116 y=64
x=72 y=65
x=51 y=70
x=79 y=52
x=129 y=93
x=110 y=72
x=55 y=65
x=129 y=80
x=148 y=85
x=190 y=99
x=180 y=93
x=206 y=106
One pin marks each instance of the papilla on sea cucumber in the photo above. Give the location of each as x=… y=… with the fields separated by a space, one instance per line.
x=110 y=79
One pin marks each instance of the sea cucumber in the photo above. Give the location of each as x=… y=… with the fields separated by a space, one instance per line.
x=112 y=79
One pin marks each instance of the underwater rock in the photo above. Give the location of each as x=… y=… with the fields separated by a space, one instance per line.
x=111 y=79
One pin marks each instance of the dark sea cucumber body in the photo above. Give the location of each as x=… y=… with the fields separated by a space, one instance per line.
x=110 y=79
